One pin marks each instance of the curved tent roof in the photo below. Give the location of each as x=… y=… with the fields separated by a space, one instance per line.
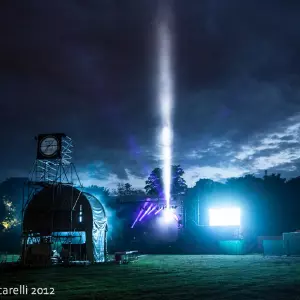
x=56 y=209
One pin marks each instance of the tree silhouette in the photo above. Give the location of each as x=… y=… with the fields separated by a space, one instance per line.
x=178 y=184
x=101 y=190
x=102 y=194
x=126 y=189
x=270 y=205
x=275 y=206
x=249 y=193
x=155 y=185
x=292 y=203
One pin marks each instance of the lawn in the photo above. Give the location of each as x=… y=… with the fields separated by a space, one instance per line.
x=171 y=277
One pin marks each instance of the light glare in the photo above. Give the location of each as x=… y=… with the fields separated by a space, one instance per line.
x=168 y=216
x=225 y=217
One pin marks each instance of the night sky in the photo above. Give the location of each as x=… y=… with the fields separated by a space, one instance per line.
x=88 y=69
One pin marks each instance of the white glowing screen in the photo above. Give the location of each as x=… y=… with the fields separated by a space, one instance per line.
x=225 y=217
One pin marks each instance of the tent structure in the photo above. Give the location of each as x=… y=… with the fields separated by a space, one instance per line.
x=66 y=217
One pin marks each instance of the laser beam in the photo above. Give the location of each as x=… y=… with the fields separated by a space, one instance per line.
x=165 y=95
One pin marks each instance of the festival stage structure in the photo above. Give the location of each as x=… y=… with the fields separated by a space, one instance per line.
x=151 y=206
x=61 y=223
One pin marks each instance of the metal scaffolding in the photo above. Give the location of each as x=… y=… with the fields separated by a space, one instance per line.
x=51 y=173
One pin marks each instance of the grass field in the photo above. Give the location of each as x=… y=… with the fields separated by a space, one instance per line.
x=170 y=277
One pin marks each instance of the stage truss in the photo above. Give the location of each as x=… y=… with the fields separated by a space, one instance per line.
x=60 y=170
x=52 y=173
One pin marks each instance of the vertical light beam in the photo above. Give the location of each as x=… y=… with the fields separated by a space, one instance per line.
x=165 y=96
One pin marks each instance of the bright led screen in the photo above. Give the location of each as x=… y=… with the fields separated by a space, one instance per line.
x=224 y=217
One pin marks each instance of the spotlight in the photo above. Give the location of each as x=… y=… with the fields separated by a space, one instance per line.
x=163 y=206
x=168 y=216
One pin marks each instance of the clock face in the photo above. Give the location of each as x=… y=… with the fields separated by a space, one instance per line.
x=49 y=146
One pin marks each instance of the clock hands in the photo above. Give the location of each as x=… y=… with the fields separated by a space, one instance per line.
x=50 y=144
x=47 y=146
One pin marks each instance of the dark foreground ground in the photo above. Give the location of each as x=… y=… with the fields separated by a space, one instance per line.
x=169 y=277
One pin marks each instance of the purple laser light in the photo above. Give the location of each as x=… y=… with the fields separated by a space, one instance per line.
x=158 y=211
x=151 y=210
x=145 y=204
x=142 y=217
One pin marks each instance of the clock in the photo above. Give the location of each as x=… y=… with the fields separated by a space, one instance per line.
x=49 y=146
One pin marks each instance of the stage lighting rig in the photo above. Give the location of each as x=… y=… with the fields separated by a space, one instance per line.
x=165 y=207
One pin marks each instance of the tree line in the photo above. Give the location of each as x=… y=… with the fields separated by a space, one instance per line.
x=270 y=205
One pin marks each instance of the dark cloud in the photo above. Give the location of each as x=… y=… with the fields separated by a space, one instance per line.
x=88 y=68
